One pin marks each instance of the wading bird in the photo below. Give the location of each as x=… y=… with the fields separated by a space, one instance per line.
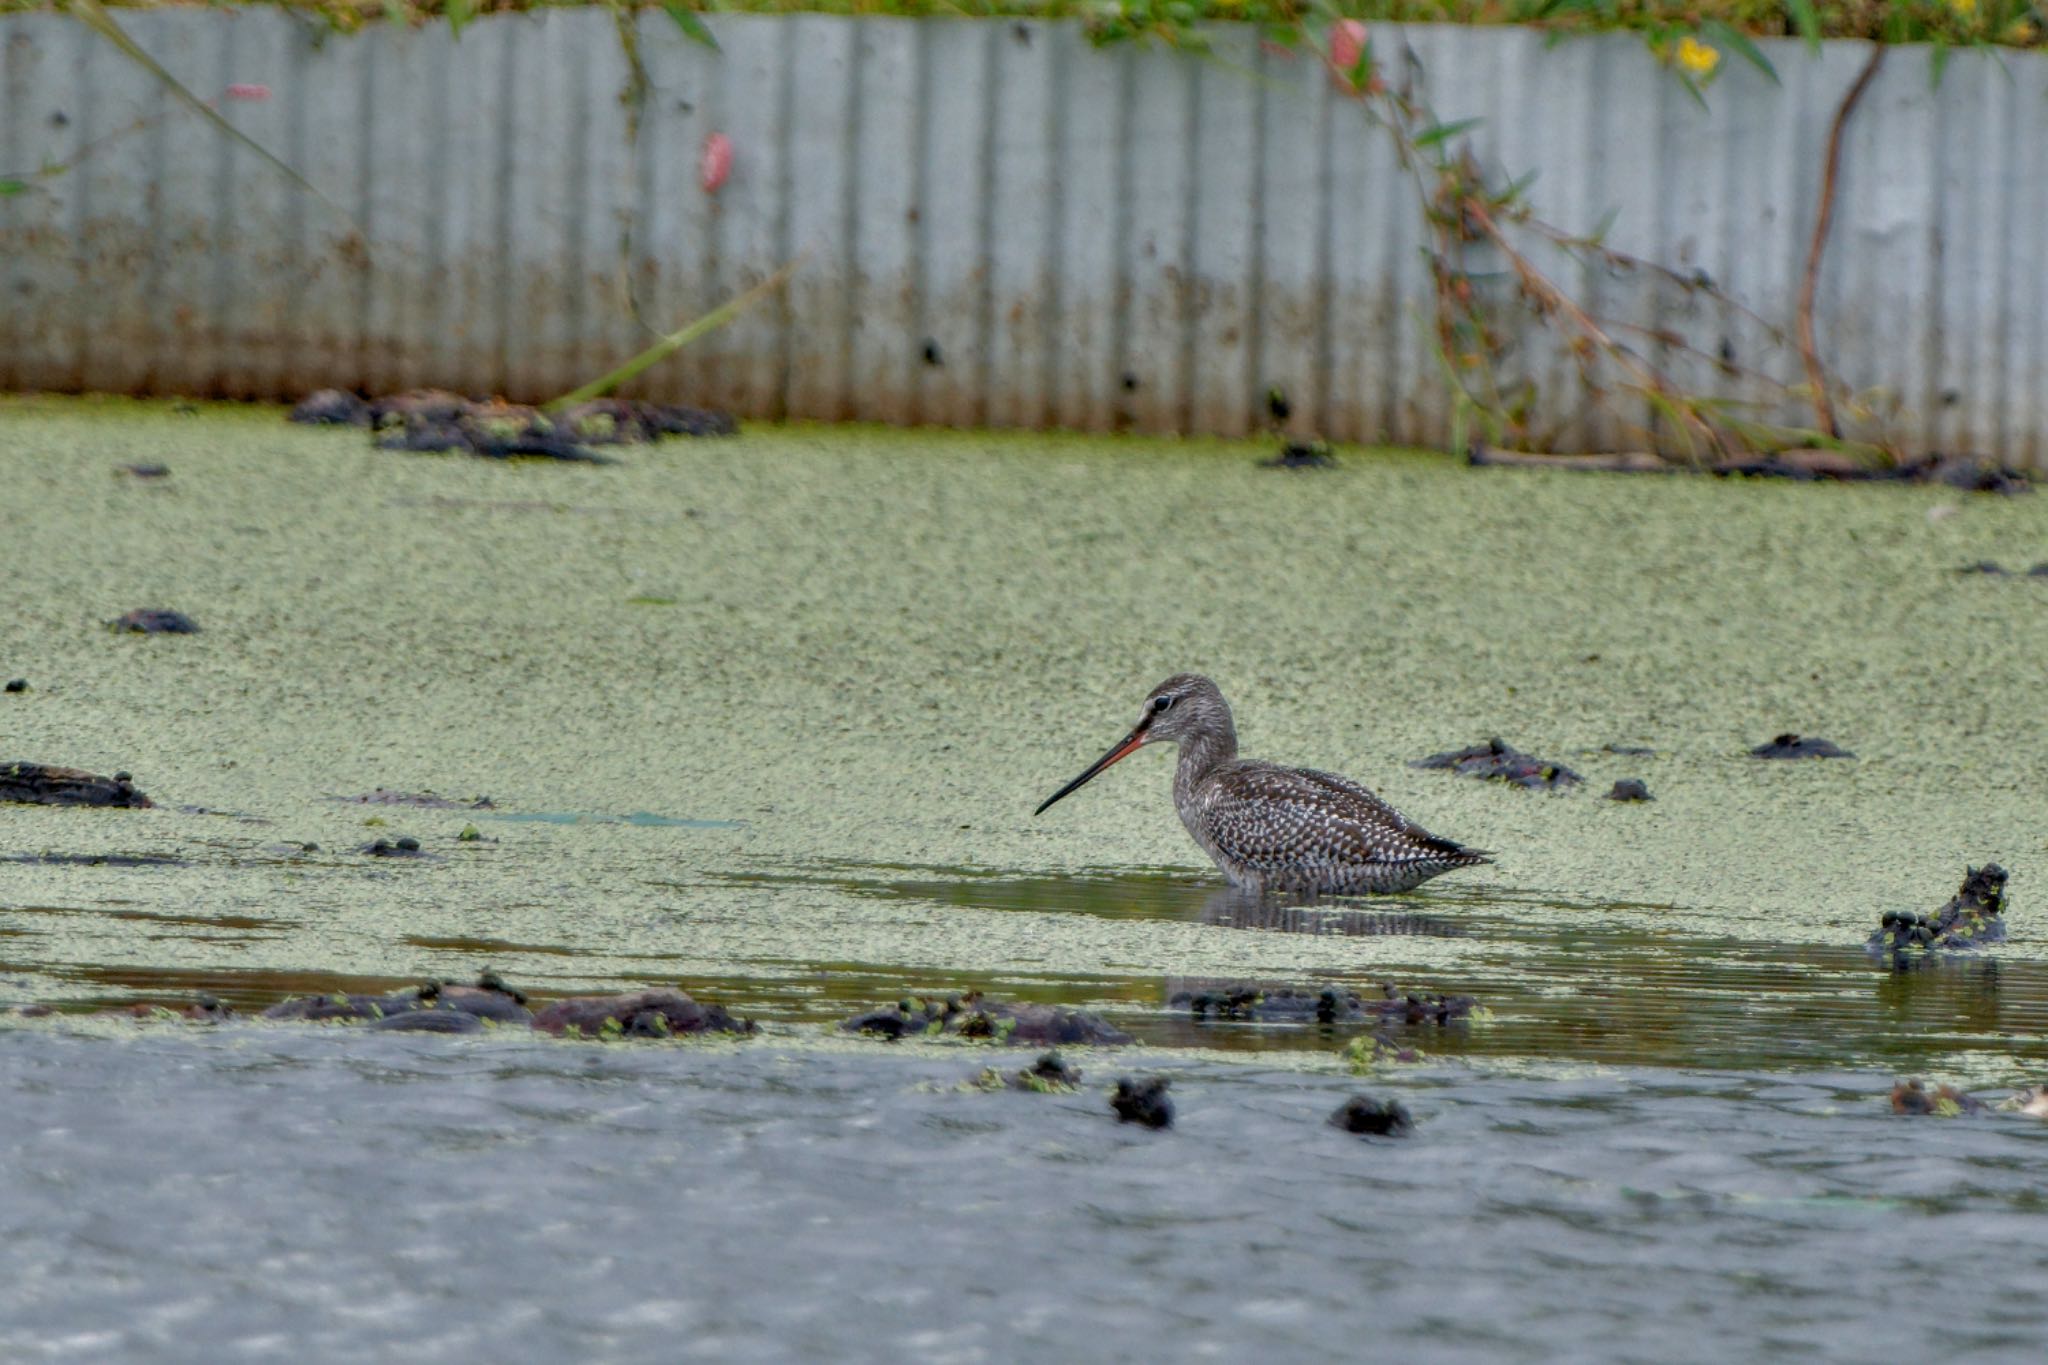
x=1272 y=828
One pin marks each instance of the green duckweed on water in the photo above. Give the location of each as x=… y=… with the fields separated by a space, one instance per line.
x=802 y=782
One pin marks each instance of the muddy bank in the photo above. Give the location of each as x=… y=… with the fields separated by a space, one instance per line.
x=1972 y=473
x=42 y=785
x=1972 y=918
x=977 y=1017
x=433 y=421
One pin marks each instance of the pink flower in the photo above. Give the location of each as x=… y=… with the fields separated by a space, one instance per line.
x=243 y=91
x=1347 y=39
x=714 y=163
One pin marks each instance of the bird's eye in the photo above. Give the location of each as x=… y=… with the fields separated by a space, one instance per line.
x=1161 y=703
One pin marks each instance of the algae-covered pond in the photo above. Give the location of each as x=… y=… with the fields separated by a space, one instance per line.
x=768 y=717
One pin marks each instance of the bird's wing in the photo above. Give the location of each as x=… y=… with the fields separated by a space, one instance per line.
x=1273 y=818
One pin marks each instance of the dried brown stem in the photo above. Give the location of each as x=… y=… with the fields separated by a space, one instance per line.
x=1816 y=377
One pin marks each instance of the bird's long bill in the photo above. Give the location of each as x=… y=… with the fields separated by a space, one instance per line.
x=1123 y=746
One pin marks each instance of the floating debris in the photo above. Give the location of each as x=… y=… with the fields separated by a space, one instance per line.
x=1973 y=917
x=639 y=1014
x=976 y=1016
x=429 y=420
x=1302 y=455
x=155 y=621
x=1249 y=1003
x=422 y=800
x=1502 y=763
x=1049 y=1075
x=489 y=999
x=1943 y=1102
x=1377 y=1118
x=1143 y=1101
x=36 y=784
x=1994 y=569
x=2031 y=1100
x=1975 y=473
x=1630 y=789
x=1799 y=746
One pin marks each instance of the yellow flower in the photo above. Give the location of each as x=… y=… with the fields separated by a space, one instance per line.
x=1699 y=59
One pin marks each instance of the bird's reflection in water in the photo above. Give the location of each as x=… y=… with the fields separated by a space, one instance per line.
x=1294 y=914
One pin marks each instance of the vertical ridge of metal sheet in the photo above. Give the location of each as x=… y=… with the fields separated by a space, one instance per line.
x=1932 y=314
x=952 y=208
x=885 y=315
x=844 y=401
x=1155 y=265
x=1020 y=228
x=1086 y=300
x=2026 y=283
x=819 y=171
x=1123 y=382
x=1219 y=369
x=1052 y=288
x=1322 y=282
x=1290 y=210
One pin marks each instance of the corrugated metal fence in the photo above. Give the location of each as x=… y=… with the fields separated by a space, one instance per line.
x=1003 y=224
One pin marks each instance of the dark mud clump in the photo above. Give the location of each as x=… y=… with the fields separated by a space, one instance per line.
x=430 y=420
x=1973 y=917
x=47 y=859
x=1975 y=473
x=1502 y=763
x=1630 y=789
x=1247 y=1003
x=1943 y=1102
x=1049 y=1075
x=204 y=1009
x=154 y=621
x=421 y=800
x=639 y=1014
x=1799 y=746
x=1302 y=455
x=1376 y=1118
x=35 y=784
x=341 y=1007
x=976 y=1016
x=1993 y=568
x=1143 y=1101
x=490 y=999
x=331 y=408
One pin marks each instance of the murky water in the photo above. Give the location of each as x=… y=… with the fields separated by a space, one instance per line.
x=307 y=1195
x=768 y=717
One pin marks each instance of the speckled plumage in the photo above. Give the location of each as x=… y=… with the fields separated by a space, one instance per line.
x=1272 y=828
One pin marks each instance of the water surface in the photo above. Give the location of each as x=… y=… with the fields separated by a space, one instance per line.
x=768 y=718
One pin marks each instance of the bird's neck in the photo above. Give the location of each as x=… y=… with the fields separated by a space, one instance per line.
x=1201 y=755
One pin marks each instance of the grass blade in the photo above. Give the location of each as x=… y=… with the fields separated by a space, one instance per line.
x=1436 y=133
x=690 y=22
x=99 y=21
x=675 y=341
x=1736 y=41
x=1807 y=20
